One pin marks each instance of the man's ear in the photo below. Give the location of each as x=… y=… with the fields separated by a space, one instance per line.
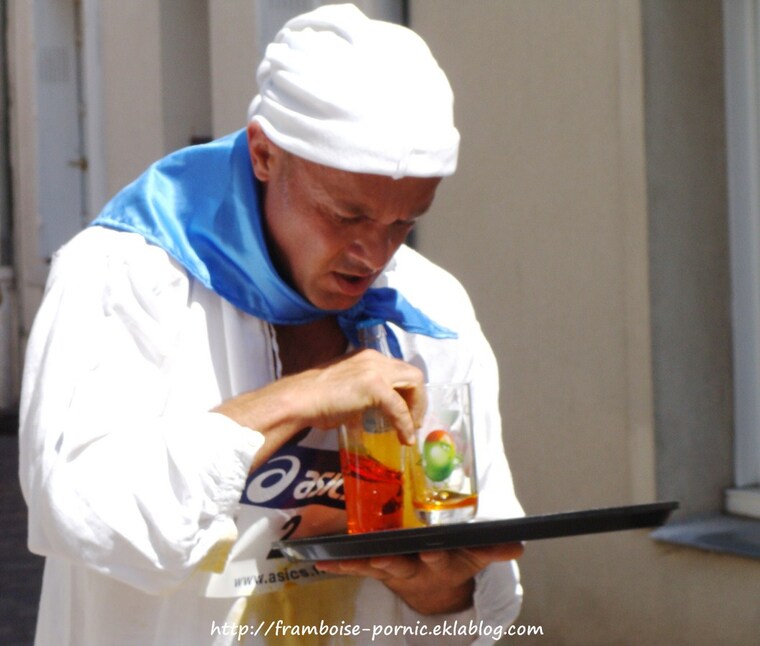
x=261 y=150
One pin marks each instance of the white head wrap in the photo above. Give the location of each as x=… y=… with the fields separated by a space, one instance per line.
x=361 y=95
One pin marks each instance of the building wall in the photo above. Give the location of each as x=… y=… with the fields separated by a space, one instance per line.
x=688 y=224
x=234 y=58
x=131 y=86
x=587 y=219
x=146 y=88
x=29 y=272
x=185 y=72
x=156 y=83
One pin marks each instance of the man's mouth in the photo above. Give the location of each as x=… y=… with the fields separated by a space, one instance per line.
x=354 y=284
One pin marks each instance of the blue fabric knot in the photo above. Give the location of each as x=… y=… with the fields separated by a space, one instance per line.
x=389 y=305
x=201 y=205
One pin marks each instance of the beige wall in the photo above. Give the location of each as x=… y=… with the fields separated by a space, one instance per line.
x=234 y=52
x=131 y=88
x=185 y=72
x=547 y=224
x=156 y=86
x=689 y=254
x=29 y=272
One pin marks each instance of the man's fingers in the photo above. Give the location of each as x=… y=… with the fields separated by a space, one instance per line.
x=398 y=414
x=396 y=567
x=398 y=390
x=482 y=556
x=435 y=559
x=381 y=568
x=416 y=400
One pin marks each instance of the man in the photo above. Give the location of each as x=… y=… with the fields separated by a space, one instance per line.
x=193 y=354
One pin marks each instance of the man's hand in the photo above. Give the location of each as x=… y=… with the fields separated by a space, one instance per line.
x=429 y=582
x=362 y=380
x=327 y=395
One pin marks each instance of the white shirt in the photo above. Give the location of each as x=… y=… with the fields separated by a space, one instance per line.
x=134 y=488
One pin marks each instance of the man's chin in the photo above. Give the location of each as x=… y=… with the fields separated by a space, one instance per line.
x=335 y=302
x=340 y=293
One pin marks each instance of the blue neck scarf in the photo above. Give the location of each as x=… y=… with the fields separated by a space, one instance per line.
x=201 y=205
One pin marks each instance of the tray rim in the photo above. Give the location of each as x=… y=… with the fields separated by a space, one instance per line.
x=478 y=533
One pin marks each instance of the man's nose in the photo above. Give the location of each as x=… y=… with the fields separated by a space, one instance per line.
x=375 y=248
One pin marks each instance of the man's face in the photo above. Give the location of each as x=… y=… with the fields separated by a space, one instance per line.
x=332 y=232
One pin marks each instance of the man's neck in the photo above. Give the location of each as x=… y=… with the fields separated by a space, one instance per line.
x=310 y=344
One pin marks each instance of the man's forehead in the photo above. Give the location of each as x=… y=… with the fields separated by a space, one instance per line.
x=343 y=184
x=362 y=194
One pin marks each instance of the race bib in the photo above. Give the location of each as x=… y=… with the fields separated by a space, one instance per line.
x=297 y=492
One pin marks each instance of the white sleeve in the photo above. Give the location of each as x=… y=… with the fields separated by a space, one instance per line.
x=111 y=481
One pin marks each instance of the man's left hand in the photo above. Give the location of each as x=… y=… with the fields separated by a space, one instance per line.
x=429 y=582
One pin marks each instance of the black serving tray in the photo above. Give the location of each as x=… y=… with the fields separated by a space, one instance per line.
x=476 y=533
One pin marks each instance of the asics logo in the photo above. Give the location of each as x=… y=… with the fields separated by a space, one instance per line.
x=294 y=477
x=279 y=472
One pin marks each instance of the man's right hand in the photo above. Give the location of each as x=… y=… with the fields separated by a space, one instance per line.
x=327 y=395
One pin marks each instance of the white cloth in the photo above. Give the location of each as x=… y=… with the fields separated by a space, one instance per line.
x=360 y=95
x=130 y=482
